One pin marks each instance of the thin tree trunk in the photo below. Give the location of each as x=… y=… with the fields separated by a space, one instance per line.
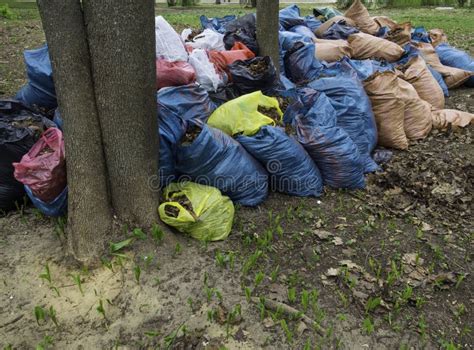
x=89 y=214
x=122 y=46
x=267 y=29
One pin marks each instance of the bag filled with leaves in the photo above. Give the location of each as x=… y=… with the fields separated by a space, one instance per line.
x=198 y=210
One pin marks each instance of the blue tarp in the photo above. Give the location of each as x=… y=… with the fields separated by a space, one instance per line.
x=312 y=23
x=331 y=148
x=440 y=80
x=452 y=57
x=39 y=90
x=291 y=169
x=216 y=159
x=58 y=207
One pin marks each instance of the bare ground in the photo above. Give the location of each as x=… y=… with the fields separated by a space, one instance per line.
x=385 y=268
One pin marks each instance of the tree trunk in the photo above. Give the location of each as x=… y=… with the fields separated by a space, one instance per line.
x=89 y=218
x=122 y=48
x=267 y=30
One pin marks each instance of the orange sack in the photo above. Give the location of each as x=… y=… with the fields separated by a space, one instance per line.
x=221 y=59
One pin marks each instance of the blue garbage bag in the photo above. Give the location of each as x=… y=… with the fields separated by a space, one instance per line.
x=289 y=39
x=171 y=129
x=39 y=91
x=354 y=112
x=216 y=159
x=303 y=30
x=58 y=207
x=452 y=57
x=186 y=102
x=339 y=30
x=290 y=17
x=312 y=23
x=331 y=148
x=216 y=23
x=439 y=78
x=419 y=34
x=301 y=64
x=177 y=106
x=291 y=169
x=365 y=68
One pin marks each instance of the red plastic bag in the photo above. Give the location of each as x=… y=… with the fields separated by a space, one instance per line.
x=222 y=59
x=173 y=73
x=43 y=168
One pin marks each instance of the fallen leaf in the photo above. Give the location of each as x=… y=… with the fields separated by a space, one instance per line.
x=268 y=322
x=323 y=235
x=425 y=227
x=301 y=328
x=332 y=272
x=337 y=241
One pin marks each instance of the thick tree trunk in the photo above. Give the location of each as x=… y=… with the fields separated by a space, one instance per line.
x=122 y=47
x=267 y=29
x=89 y=218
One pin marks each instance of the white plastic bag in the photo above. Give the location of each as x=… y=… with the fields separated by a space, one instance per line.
x=207 y=40
x=168 y=43
x=206 y=74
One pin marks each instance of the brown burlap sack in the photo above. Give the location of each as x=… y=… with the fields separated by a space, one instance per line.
x=331 y=50
x=416 y=72
x=359 y=14
x=444 y=117
x=437 y=37
x=384 y=21
x=400 y=34
x=325 y=26
x=453 y=77
x=417 y=122
x=388 y=108
x=368 y=46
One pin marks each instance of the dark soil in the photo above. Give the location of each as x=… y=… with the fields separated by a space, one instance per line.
x=191 y=134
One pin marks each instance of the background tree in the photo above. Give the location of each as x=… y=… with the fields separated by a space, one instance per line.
x=267 y=29
x=104 y=76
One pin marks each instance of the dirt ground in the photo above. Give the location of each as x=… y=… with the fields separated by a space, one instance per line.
x=385 y=268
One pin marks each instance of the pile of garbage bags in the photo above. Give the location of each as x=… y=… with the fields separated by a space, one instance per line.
x=234 y=125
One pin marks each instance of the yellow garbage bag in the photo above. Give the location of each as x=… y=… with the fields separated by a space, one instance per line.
x=198 y=210
x=241 y=115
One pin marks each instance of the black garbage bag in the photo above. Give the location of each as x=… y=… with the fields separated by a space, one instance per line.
x=20 y=128
x=291 y=169
x=243 y=29
x=215 y=159
x=223 y=94
x=254 y=74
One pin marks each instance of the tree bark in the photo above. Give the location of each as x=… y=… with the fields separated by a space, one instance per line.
x=122 y=48
x=267 y=30
x=89 y=213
